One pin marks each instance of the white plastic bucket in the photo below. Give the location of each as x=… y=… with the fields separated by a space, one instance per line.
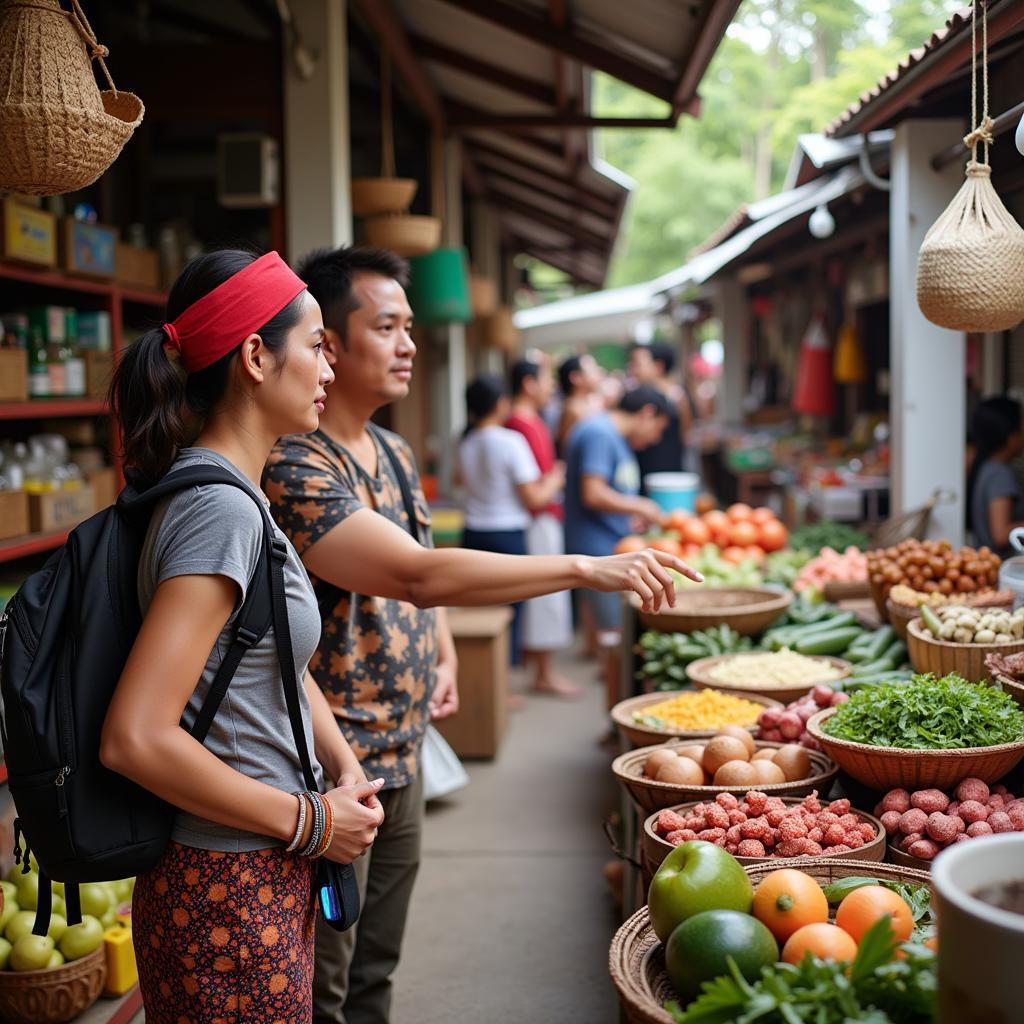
x=674 y=491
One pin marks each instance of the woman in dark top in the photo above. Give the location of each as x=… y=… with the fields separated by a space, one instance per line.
x=993 y=491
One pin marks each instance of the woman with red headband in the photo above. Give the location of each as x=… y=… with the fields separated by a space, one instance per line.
x=223 y=924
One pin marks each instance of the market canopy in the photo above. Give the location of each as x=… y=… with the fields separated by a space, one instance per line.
x=508 y=77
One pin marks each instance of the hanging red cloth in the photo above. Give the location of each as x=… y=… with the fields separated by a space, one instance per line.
x=814 y=393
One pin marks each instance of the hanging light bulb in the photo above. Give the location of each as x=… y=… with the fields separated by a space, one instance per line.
x=822 y=224
x=1019 y=138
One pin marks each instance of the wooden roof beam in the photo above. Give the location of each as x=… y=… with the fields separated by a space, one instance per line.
x=540 y=31
x=564 y=260
x=717 y=17
x=565 y=191
x=461 y=121
x=579 y=234
x=528 y=88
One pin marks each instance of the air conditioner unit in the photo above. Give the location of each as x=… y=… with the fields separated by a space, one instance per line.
x=248 y=170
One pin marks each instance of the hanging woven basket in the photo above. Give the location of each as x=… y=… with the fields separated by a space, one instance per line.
x=58 y=131
x=970 y=270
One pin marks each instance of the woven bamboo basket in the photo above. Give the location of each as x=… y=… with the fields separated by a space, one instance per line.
x=901 y=615
x=643 y=735
x=700 y=673
x=636 y=960
x=904 y=860
x=748 y=610
x=942 y=656
x=54 y=995
x=372 y=197
x=403 y=233
x=650 y=795
x=655 y=849
x=483 y=295
x=1010 y=686
x=885 y=768
x=58 y=132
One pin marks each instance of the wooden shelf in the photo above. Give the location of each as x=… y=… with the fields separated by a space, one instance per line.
x=44 y=278
x=54 y=407
x=31 y=544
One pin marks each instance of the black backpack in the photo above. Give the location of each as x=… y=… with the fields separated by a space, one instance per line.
x=64 y=639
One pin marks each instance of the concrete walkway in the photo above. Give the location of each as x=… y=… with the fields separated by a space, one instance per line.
x=511 y=919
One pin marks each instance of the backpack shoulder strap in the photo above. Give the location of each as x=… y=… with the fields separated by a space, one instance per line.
x=403 y=481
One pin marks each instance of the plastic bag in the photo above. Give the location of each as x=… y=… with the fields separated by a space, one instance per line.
x=442 y=770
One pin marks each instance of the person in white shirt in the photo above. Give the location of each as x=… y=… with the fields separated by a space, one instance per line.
x=500 y=479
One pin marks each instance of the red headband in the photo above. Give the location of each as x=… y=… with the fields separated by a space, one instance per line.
x=219 y=322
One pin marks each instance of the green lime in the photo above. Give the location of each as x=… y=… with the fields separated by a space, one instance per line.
x=698 y=948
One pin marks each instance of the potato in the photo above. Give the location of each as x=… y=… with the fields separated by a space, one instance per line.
x=743 y=735
x=737 y=773
x=767 y=772
x=657 y=758
x=681 y=772
x=722 y=749
x=767 y=754
x=794 y=761
x=694 y=751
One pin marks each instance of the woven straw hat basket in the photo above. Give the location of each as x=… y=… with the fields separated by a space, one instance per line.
x=970 y=271
x=58 y=131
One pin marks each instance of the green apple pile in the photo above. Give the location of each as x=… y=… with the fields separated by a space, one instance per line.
x=20 y=950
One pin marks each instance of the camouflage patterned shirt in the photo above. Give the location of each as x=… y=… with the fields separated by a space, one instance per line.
x=377 y=657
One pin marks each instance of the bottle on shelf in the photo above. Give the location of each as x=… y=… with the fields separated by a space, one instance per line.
x=38 y=364
x=74 y=364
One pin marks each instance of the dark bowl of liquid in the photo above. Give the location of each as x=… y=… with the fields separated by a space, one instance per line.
x=1004 y=895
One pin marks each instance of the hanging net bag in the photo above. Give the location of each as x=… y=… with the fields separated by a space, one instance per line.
x=58 y=132
x=970 y=271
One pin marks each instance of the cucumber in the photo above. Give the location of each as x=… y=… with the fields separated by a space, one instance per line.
x=896 y=652
x=880 y=641
x=833 y=641
x=855 y=683
x=839 y=621
x=931 y=620
x=873 y=668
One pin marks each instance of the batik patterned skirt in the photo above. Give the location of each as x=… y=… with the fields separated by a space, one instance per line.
x=225 y=938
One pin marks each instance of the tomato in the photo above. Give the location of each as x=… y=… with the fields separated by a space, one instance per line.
x=691 y=552
x=677 y=521
x=666 y=544
x=722 y=538
x=773 y=535
x=739 y=513
x=756 y=553
x=734 y=555
x=628 y=544
x=788 y=899
x=744 y=534
x=704 y=503
x=762 y=515
x=825 y=941
x=716 y=521
x=864 y=906
x=696 y=532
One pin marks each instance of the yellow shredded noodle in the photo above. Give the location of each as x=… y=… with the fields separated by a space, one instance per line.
x=702 y=709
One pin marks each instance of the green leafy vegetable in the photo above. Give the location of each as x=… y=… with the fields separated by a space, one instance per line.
x=877 y=989
x=928 y=714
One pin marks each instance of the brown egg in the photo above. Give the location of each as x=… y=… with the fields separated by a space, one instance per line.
x=683 y=772
x=656 y=758
x=794 y=761
x=722 y=749
x=736 y=773
x=743 y=735
x=765 y=754
x=694 y=751
x=768 y=772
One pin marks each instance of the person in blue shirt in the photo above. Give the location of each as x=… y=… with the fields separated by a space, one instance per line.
x=602 y=487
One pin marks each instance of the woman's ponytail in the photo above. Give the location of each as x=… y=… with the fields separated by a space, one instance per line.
x=147 y=398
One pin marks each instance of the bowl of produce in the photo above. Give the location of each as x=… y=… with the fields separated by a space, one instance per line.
x=957 y=639
x=664 y=656
x=49 y=995
x=692 y=714
x=747 y=610
x=789 y=724
x=781 y=675
x=1007 y=671
x=932 y=567
x=758 y=827
x=922 y=824
x=649 y=974
x=672 y=773
x=837 y=576
x=903 y=605
x=926 y=733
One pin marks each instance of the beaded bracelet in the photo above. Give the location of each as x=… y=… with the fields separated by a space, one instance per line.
x=300 y=827
x=319 y=824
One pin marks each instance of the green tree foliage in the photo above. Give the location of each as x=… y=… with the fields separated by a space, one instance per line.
x=786 y=67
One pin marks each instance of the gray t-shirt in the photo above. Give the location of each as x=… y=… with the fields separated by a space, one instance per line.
x=994 y=480
x=217 y=530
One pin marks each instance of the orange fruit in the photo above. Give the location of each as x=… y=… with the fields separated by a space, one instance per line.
x=696 y=532
x=716 y=521
x=739 y=513
x=762 y=515
x=773 y=535
x=864 y=906
x=744 y=534
x=825 y=941
x=788 y=899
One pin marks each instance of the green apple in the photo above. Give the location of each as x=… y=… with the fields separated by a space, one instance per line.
x=95 y=899
x=81 y=939
x=58 y=926
x=10 y=909
x=123 y=888
x=28 y=891
x=56 y=959
x=5 y=953
x=31 y=952
x=59 y=907
x=20 y=924
x=10 y=891
x=696 y=876
x=58 y=889
x=109 y=919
